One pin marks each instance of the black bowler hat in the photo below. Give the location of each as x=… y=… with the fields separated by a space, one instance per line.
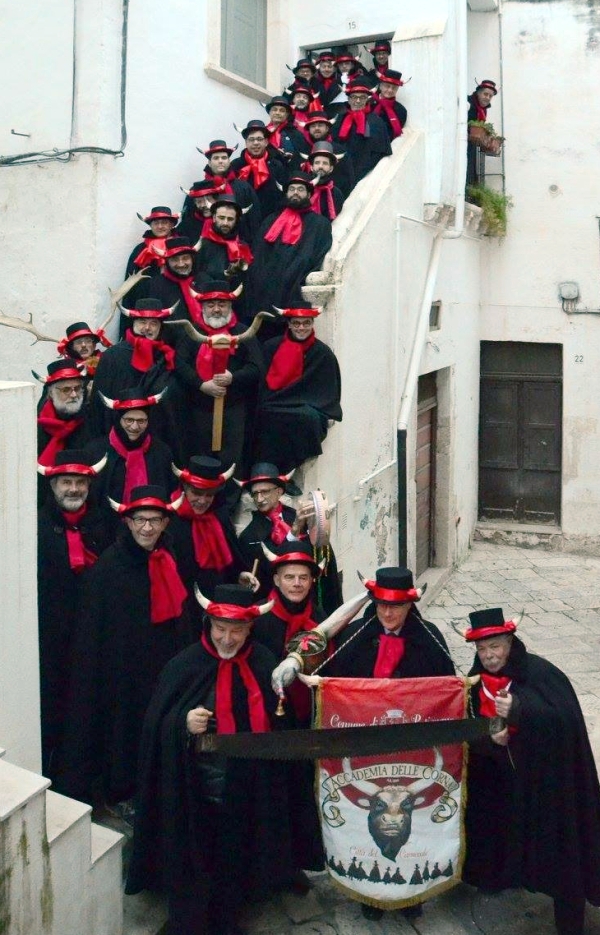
x=205 y=187
x=323 y=148
x=381 y=45
x=299 y=178
x=159 y=213
x=265 y=471
x=304 y=63
x=391 y=77
x=229 y=201
x=393 y=585
x=146 y=496
x=486 y=623
x=80 y=329
x=278 y=99
x=176 y=245
x=218 y=146
x=64 y=369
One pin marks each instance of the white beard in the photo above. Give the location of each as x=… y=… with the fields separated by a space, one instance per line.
x=217 y=321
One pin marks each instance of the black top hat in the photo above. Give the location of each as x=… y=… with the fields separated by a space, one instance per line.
x=63 y=369
x=234 y=594
x=391 y=77
x=297 y=178
x=218 y=146
x=486 y=623
x=147 y=308
x=381 y=45
x=304 y=63
x=265 y=471
x=326 y=56
x=254 y=125
x=278 y=99
x=73 y=461
x=80 y=329
x=205 y=473
x=358 y=86
x=298 y=552
x=229 y=200
x=323 y=149
x=393 y=585
x=147 y=496
x=176 y=245
x=161 y=212
x=215 y=289
x=205 y=187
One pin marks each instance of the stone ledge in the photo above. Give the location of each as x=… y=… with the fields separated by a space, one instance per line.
x=548 y=538
x=443 y=215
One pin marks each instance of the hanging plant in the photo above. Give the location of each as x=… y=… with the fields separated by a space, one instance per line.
x=494 y=206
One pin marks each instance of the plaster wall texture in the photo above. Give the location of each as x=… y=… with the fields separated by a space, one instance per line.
x=551 y=55
x=19 y=677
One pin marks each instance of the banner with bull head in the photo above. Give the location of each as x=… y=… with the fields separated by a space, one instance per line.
x=392 y=824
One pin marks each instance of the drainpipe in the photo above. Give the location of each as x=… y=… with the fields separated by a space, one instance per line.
x=422 y=328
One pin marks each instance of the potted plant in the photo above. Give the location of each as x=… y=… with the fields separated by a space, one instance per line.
x=483 y=134
x=494 y=206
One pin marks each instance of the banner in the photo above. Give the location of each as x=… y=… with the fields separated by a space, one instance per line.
x=392 y=824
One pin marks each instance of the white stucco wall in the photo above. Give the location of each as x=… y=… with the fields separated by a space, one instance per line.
x=551 y=59
x=19 y=673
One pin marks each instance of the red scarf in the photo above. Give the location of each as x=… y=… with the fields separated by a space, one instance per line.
x=167 y=592
x=275 y=131
x=225 y=180
x=58 y=429
x=236 y=248
x=315 y=201
x=294 y=623
x=80 y=557
x=211 y=549
x=389 y=655
x=356 y=119
x=148 y=254
x=211 y=360
x=259 y=719
x=287 y=365
x=185 y=285
x=144 y=349
x=288 y=224
x=481 y=112
x=257 y=168
x=385 y=106
x=136 y=472
x=280 y=528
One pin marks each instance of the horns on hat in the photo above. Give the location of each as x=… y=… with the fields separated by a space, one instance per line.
x=127 y=311
x=205 y=602
x=224 y=474
x=419 y=591
x=516 y=622
x=115 y=403
x=92 y=469
x=38 y=377
x=272 y=556
x=169 y=507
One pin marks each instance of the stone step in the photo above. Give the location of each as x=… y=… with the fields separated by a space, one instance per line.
x=67 y=862
x=104 y=882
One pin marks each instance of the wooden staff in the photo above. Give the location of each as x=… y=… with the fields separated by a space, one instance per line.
x=217 y=424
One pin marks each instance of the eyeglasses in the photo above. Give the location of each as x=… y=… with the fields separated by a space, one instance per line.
x=154 y=523
x=69 y=390
x=257 y=494
x=301 y=323
x=130 y=422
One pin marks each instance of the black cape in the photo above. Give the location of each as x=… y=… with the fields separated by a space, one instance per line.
x=178 y=840
x=206 y=578
x=279 y=270
x=536 y=825
x=292 y=421
x=59 y=613
x=426 y=652
x=328 y=589
x=245 y=197
x=365 y=151
x=118 y=655
x=269 y=194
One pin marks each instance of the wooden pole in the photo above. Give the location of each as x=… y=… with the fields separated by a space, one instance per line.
x=217 y=426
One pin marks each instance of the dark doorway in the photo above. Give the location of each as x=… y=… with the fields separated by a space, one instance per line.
x=425 y=471
x=520 y=432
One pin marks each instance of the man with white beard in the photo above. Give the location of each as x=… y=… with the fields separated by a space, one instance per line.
x=62 y=411
x=208 y=373
x=71 y=535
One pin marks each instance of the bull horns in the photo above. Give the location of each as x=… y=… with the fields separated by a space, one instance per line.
x=186 y=191
x=93 y=468
x=149 y=401
x=270 y=556
x=127 y=311
x=205 y=603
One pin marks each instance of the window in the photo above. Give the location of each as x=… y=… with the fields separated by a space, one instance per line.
x=244 y=39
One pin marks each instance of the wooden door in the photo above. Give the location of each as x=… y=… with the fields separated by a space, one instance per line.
x=425 y=472
x=520 y=432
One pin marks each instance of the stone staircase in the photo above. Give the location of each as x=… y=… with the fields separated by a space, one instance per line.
x=60 y=874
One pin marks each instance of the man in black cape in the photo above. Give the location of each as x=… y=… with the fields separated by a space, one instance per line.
x=285 y=140
x=260 y=167
x=362 y=132
x=210 y=832
x=326 y=83
x=175 y=283
x=327 y=198
x=480 y=102
x=133 y=622
x=63 y=419
x=219 y=169
x=391 y=640
x=385 y=105
x=300 y=394
x=199 y=199
x=134 y=456
x=80 y=343
x=71 y=535
x=274 y=522
x=207 y=373
x=318 y=128
x=206 y=546
x=141 y=360
x=289 y=245
x=223 y=254
x=148 y=254
x=533 y=800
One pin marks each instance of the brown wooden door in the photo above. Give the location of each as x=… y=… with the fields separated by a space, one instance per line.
x=425 y=471
x=520 y=432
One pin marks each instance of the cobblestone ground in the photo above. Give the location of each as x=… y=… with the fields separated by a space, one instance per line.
x=560 y=597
